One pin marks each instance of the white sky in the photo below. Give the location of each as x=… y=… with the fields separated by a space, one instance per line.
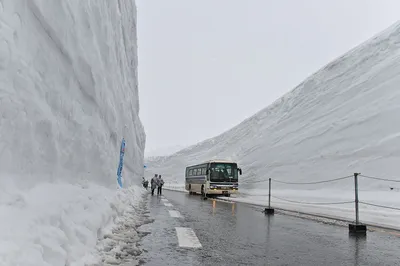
x=206 y=65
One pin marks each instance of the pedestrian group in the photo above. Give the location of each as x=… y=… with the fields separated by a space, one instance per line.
x=156 y=182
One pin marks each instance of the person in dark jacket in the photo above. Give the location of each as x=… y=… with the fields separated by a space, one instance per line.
x=160 y=183
x=154 y=181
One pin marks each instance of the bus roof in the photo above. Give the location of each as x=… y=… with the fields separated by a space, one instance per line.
x=211 y=161
x=219 y=161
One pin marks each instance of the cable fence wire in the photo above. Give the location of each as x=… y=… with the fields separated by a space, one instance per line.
x=297 y=183
x=312 y=183
x=254 y=182
x=379 y=206
x=381 y=179
x=254 y=195
x=313 y=203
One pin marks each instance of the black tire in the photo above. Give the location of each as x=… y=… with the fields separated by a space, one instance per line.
x=190 y=189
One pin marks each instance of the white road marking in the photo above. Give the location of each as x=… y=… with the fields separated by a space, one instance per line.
x=174 y=214
x=164 y=200
x=187 y=238
x=168 y=204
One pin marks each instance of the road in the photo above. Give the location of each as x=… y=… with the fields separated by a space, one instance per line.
x=189 y=231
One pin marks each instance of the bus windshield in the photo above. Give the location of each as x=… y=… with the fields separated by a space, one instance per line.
x=223 y=172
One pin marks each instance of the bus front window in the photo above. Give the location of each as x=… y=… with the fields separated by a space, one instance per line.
x=223 y=172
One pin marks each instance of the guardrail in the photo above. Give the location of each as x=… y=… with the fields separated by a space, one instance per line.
x=357 y=226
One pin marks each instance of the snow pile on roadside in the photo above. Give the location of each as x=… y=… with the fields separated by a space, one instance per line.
x=175 y=187
x=118 y=244
x=60 y=224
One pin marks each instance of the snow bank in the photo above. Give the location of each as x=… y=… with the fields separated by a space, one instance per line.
x=175 y=187
x=341 y=120
x=68 y=95
x=60 y=224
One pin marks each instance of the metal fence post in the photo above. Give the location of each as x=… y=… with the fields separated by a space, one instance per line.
x=269 y=194
x=269 y=210
x=356 y=196
x=357 y=228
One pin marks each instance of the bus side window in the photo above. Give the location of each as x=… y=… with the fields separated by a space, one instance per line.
x=190 y=172
x=203 y=171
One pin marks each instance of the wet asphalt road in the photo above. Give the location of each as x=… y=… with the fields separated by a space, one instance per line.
x=240 y=234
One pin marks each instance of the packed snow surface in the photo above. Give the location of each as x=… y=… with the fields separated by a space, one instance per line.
x=341 y=120
x=68 y=95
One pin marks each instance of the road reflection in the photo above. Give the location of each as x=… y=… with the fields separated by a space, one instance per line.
x=214 y=207
x=359 y=244
x=214 y=204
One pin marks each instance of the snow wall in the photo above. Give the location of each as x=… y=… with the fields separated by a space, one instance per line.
x=68 y=95
x=69 y=91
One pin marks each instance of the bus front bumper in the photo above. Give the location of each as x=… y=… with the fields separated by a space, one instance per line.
x=221 y=191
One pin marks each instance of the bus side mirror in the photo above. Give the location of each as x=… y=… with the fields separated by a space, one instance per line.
x=240 y=171
x=207 y=171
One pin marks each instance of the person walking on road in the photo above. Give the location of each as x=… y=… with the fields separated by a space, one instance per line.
x=160 y=184
x=154 y=181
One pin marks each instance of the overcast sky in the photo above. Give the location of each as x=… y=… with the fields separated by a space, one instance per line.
x=206 y=65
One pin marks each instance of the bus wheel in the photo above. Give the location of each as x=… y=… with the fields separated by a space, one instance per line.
x=190 y=189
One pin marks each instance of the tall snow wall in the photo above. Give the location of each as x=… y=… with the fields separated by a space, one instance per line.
x=69 y=91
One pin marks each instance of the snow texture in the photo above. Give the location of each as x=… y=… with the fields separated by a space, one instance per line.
x=341 y=120
x=68 y=95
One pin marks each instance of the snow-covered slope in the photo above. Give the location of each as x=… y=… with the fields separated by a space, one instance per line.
x=164 y=151
x=68 y=94
x=343 y=119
